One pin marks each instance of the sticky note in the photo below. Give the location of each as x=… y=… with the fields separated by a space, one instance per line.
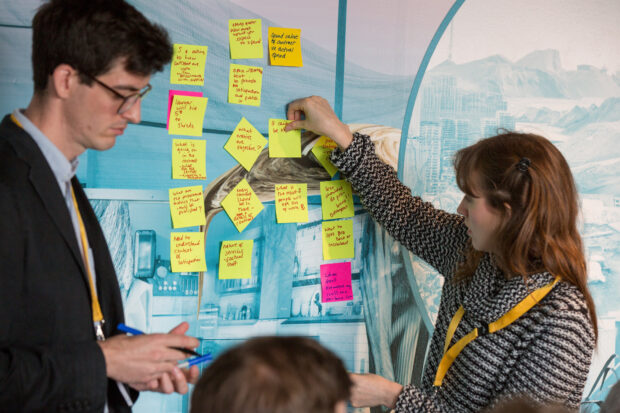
x=188 y=64
x=242 y=205
x=322 y=150
x=338 y=239
x=336 y=282
x=283 y=144
x=291 y=203
x=336 y=199
x=235 y=260
x=245 y=37
x=244 y=84
x=172 y=94
x=285 y=47
x=187 y=206
x=245 y=144
x=189 y=159
x=187 y=252
x=186 y=115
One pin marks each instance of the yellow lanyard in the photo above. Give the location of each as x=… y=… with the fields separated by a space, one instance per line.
x=450 y=354
x=97 y=314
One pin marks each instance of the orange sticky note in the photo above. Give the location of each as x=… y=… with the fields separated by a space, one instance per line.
x=291 y=203
x=244 y=84
x=336 y=199
x=338 y=239
x=187 y=115
x=189 y=159
x=242 y=205
x=322 y=149
x=235 y=260
x=285 y=47
x=187 y=206
x=187 y=252
x=188 y=64
x=245 y=144
x=283 y=144
x=245 y=38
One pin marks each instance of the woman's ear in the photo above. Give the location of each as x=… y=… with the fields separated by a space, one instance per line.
x=508 y=209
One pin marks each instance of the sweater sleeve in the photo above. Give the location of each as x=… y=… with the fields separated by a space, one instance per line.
x=435 y=236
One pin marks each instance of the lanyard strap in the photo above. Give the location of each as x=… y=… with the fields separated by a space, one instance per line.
x=450 y=354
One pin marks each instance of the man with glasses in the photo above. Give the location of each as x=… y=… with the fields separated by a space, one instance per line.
x=59 y=297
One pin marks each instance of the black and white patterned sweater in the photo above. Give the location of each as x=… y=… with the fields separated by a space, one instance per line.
x=544 y=355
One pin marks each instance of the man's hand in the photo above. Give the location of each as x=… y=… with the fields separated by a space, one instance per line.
x=147 y=362
x=372 y=390
x=319 y=118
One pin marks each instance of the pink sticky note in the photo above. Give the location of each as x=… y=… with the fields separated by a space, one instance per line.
x=171 y=94
x=336 y=282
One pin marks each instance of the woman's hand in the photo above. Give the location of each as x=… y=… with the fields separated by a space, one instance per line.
x=372 y=390
x=319 y=118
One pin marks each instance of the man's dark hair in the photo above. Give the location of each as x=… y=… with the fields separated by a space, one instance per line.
x=275 y=375
x=91 y=35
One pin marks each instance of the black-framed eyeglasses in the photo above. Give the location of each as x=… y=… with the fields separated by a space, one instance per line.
x=128 y=101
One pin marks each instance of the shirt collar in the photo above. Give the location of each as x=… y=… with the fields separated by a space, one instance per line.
x=62 y=168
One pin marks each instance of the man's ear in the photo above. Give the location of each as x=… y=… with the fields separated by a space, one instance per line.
x=62 y=80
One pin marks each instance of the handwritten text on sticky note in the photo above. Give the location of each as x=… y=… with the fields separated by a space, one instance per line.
x=336 y=282
x=322 y=149
x=188 y=65
x=245 y=39
x=187 y=252
x=338 y=239
x=245 y=144
x=186 y=115
x=283 y=144
x=285 y=47
x=187 y=206
x=336 y=199
x=189 y=159
x=291 y=203
x=236 y=259
x=242 y=205
x=244 y=84
x=172 y=94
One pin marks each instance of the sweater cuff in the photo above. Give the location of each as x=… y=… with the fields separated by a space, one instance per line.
x=348 y=160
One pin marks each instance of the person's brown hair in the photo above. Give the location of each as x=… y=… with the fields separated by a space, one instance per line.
x=275 y=375
x=527 y=180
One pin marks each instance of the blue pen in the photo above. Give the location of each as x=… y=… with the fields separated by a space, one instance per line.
x=197 y=360
x=126 y=329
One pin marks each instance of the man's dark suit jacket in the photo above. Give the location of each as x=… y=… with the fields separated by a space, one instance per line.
x=49 y=357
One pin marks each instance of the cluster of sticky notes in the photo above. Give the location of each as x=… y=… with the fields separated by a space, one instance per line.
x=242 y=205
x=246 y=38
x=336 y=282
x=245 y=144
x=285 y=46
x=189 y=159
x=336 y=199
x=187 y=252
x=291 y=203
x=283 y=144
x=236 y=259
x=186 y=115
x=187 y=206
x=244 y=84
x=188 y=64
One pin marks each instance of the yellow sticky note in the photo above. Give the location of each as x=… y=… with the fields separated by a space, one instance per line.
x=245 y=144
x=189 y=159
x=338 y=240
x=188 y=64
x=235 y=260
x=292 y=203
x=322 y=149
x=336 y=199
x=285 y=47
x=186 y=115
x=242 y=205
x=187 y=252
x=245 y=38
x=244 y=84
x=187 y=206
x=283 y=144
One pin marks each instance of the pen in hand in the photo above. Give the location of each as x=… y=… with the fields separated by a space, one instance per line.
x=126 y=329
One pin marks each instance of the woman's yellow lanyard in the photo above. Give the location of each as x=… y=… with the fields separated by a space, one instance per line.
x=98 y=320
x=450 y=354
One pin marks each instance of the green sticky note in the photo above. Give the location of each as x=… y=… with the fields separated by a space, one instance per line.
x=336 y=199
x=283 y=144
x=188 y=64
x=244 y=84
x=245 y=38
x=187 y=252
x=245 y=144
x=291 y=203
x=187 y=206
x=322 y=149
x=186 y=115
x=235 y=260
x=338 y=240
x=242 y=205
